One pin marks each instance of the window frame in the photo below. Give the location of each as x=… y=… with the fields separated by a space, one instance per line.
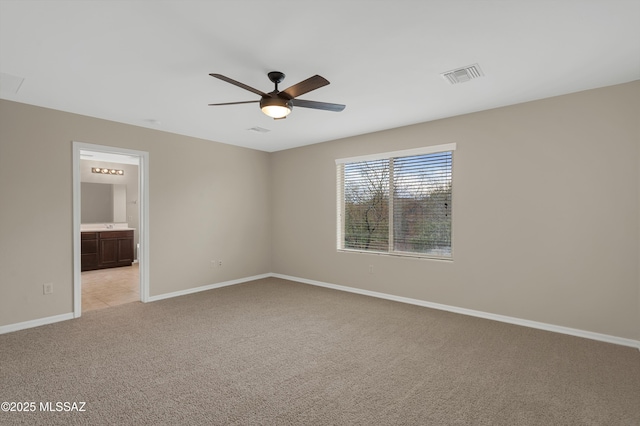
x=340 y=205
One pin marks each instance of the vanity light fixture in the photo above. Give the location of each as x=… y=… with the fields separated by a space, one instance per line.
x=105 y=171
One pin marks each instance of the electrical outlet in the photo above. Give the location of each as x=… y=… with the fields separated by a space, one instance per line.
x=371 y=269
x=47 y=288
x=220 y=263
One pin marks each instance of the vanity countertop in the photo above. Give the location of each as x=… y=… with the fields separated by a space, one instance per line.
x=103 y=228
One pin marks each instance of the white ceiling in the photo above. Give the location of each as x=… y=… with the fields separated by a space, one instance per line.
x=146 y=63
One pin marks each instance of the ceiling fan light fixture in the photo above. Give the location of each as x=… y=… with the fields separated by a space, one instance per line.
x=276 y=107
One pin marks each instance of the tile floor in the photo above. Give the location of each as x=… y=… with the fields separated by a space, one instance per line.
x=104 y=288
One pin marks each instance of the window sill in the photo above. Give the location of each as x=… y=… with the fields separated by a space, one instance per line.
x=399 y=254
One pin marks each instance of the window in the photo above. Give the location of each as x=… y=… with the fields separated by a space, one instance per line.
x=397 y=203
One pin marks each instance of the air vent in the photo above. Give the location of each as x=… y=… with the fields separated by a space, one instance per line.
x=259 y=129
x=462 y=75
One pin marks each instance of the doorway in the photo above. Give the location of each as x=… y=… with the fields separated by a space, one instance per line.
x=124 y=284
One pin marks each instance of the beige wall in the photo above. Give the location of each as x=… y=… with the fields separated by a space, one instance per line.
x=545 y=213
x=203 y=199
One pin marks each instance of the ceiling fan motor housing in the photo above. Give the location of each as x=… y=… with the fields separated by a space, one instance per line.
x=275 y=101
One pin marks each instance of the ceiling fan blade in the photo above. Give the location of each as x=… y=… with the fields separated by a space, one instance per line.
x=312 y=83
x=318 y=105
x=237 y=83
x=235 y=103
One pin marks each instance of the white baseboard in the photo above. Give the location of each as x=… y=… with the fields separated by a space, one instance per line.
x=63 y=317
x=206 y=287
x=35 y=323
x=502 y=318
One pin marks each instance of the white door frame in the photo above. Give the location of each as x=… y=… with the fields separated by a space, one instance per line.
x=143 y=236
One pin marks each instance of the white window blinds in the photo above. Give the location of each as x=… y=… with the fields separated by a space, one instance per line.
x=366 y=205
x=399 y=203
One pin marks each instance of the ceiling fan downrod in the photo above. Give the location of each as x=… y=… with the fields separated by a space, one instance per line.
x=276 y=77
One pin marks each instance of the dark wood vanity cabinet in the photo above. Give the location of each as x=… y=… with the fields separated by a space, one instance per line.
x=108 y=249
x=89 y=250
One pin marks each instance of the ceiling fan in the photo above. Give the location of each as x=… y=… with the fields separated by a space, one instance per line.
x=278 y=104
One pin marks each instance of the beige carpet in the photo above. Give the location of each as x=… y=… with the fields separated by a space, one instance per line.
x=273 y=352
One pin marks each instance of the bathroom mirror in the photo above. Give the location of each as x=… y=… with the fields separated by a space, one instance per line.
x=103 y=202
